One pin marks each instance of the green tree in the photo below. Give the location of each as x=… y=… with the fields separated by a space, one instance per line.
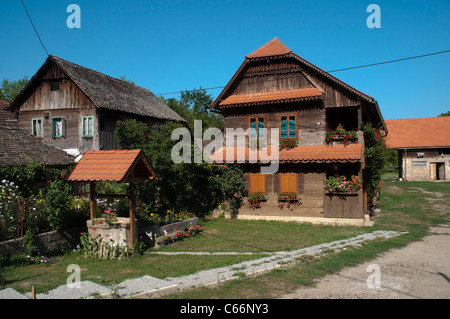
x=195 y=105
x=445 y=114
x=377 y=157
x=123 y=78
x=10 y=89
x=192 y=187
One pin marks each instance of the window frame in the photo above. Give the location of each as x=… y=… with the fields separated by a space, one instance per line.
x=257 y=127
x=63 y=128
x=33 y=127
x=287 y=115
x=83 y=126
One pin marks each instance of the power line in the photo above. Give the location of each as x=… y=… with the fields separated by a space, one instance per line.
x=34 y=27
x=337 y=70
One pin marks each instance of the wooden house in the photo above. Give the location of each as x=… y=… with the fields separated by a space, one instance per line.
x=76 y=108
x=274 y=88
x=423 y=146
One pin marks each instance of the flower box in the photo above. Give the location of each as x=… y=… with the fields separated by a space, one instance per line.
x=158 y=230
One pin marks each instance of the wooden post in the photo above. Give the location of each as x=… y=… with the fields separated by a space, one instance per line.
x=33 y=292
x=93 y=203
x=132 y=208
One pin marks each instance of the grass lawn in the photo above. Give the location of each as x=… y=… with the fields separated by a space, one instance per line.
x=410 y=206
x=405 y=206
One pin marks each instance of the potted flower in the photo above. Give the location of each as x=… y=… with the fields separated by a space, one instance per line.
x=340 y=133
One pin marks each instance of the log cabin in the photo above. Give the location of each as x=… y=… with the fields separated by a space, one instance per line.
x=76 y=109
x=274 y=88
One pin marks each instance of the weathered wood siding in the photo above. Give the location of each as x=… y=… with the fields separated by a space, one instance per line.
x=310 y=128
x=344 y=205
x=72 y=138
x=69 y=96
x=311 y=182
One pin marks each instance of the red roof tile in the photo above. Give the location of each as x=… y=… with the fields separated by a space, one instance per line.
x=271 y=48
x=112 y=166
x=417 y=133
x=299 y=154
x=268 y=97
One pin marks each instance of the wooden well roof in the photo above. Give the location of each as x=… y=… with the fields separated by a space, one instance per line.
x=120 y=166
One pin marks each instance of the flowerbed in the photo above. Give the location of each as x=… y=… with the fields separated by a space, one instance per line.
x=342 y=184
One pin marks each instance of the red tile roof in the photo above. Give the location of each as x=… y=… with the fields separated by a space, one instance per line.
x=299 y=154
x=117 y=166
x=271 y=48
x=268 y=97
x=418 y=133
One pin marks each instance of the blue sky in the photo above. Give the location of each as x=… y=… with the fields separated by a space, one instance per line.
x=169 y=46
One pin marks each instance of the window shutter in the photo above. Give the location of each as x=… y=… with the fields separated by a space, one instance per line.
x=257 y=183
x=289 y=182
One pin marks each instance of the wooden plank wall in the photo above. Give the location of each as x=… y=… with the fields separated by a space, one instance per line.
x=69 y=96
x=344 y=206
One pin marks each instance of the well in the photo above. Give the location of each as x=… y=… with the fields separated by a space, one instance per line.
x=117 y=233
x=124 y=166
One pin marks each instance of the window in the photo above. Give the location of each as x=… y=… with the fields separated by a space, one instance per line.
x=257 y=125
x=37 y=127
x=288 y=126
x=58 y=127
x=54 y=86
x=288 y=182
x=87 y=126
x=257 y=183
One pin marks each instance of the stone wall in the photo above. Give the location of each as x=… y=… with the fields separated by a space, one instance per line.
x=49 y=241
x=424 y=168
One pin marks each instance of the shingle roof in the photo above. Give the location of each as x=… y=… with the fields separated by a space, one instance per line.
x=299 y=154
x=272 y=97
x=420 y=132
x=5 y=115
x=108 y=92
x=117 y=166
x=19 y=148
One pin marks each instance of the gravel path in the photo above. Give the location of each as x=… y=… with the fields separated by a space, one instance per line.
x=421 y=270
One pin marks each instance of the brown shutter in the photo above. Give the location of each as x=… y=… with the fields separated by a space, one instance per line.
x=257 y=183
x=289 y=183
x=261 y=183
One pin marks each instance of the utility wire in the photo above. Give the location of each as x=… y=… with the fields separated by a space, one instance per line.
x=34 y=27
x=337 y=70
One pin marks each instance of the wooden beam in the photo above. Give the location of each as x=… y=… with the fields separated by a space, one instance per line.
x=93 y=203
x=132 y=209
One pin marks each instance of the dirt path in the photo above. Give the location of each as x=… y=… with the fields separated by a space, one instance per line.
x=419 y=270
